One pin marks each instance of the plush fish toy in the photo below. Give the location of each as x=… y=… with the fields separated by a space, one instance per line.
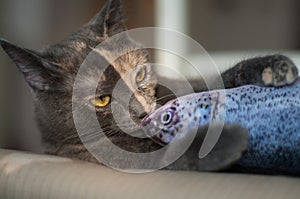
x=270 y=115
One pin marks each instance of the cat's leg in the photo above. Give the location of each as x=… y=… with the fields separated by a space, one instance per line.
x=273 y=70
x=228 y=149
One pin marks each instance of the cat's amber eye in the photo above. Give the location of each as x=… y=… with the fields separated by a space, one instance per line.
x=140 y=76
x=101 y=101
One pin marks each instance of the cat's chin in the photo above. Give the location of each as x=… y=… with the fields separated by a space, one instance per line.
x=73 y=151
x=131 y=130
x=138 y=134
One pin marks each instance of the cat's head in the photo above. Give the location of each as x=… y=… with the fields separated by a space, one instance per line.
x=51 y=73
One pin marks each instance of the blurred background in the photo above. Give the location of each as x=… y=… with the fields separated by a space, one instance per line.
x=219 y=26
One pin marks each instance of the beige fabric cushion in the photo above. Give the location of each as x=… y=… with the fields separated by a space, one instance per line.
x=24 y=175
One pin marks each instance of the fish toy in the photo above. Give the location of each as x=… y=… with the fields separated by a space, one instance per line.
x=271 y=116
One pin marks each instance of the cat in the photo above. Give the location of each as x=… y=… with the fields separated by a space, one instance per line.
x=51 y=72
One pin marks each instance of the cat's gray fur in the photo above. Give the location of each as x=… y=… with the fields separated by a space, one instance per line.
x=51 y=73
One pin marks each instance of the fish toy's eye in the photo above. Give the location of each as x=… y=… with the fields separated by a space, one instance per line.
x=167 y=117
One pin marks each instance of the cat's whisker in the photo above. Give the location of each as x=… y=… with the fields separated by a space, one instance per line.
x=105 y=131
x=92 y=137
x=112 y=133
x=75 y=136
x=102 y=131
x=63 y=142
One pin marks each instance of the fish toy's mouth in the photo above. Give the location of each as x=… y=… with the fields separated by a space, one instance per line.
x=157 y=133
x=151 y=128
x=159 y=125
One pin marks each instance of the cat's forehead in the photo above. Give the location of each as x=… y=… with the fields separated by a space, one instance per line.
x=123 y=54
x=108 y=62
x=69 y=54
x=123 y=58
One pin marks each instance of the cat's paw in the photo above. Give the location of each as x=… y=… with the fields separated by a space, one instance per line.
x=281 y=72
x=273 y=70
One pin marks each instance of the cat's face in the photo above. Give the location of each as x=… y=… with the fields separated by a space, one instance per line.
x=51 y=74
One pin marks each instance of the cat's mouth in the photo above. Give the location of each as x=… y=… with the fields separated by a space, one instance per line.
x=142 y=116
x=134 y=128
x=138 y=116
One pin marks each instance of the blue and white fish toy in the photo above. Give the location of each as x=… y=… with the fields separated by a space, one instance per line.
x=271 y=116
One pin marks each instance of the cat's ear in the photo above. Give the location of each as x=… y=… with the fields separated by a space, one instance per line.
x=38 y=72
x=110 y=20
